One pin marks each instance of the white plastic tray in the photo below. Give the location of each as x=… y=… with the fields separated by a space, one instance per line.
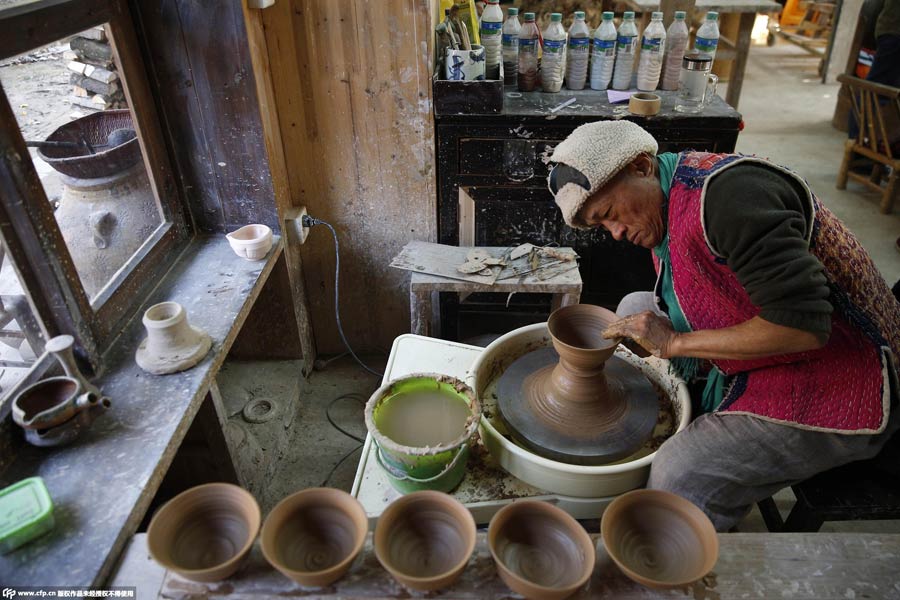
x=484 y=490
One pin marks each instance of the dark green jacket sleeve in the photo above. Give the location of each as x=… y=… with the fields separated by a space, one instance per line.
x=756 y=218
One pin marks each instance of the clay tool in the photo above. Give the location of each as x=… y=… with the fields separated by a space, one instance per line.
x=562 y=105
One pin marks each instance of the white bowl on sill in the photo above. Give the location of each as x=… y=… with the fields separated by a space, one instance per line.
x=252 y=242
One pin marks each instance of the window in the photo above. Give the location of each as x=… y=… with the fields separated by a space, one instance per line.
x=89 y=210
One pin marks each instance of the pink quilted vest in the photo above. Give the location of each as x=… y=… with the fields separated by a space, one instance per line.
x=842 y=387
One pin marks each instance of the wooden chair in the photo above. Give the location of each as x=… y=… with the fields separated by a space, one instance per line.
x=877 y=111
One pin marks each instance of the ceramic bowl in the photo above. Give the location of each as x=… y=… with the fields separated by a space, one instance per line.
x=659 y=539
x=313 y=536
x=252 y=242
x=425 y=539
x=203 y=533
x=541 y=552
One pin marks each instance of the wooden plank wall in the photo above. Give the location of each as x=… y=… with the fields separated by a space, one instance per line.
x=352 y=88
x=202 y=76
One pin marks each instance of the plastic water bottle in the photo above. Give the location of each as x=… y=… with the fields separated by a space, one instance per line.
x=553 y=63
x=707 y=40
x=491 y=25
x=511 y=29
x=603 y=54
x=528 y=61
x=578 y=53
x=653 y=47
x=626 y=42
x=676 y=46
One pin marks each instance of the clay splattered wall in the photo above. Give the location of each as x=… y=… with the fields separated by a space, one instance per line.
x=352 y=89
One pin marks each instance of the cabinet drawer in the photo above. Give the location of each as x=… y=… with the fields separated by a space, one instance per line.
x=514 y=160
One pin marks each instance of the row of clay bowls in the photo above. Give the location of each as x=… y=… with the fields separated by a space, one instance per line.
x=425 y=539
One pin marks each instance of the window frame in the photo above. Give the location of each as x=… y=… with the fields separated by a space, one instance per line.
x=33 y=238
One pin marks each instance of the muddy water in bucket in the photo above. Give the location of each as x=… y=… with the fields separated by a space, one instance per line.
x=422 y=425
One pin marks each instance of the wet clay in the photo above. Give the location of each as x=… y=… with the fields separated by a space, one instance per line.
x=313 y=535
x=577 y=403
x=203 y=533
x=423 y=419
x=659 y=539
x=540 y=551
x=425 y=539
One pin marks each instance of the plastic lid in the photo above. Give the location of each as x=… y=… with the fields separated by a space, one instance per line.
x=555 y=17
x=579 y=14
x=712 y=16
x=680 y=14
x=608 y=15
x=512 y=11
x=656 y=15
x=26 y=512
x=628 y=14
x=491 y=1
x=529 y=16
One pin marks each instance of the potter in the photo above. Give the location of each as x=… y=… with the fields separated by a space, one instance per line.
x=798 y=350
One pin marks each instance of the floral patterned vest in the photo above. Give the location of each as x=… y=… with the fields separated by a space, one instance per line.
x=844 y=386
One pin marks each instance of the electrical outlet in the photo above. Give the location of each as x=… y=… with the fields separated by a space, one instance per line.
x=293 y=221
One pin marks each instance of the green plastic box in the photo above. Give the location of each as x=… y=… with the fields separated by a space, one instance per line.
x=26 y=512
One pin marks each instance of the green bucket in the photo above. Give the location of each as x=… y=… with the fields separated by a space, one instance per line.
x=412 y=418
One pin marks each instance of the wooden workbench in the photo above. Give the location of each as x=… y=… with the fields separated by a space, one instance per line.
x=751 y=565
x=739 y=48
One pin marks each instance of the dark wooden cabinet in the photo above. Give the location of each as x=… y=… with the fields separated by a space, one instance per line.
x=492 y=191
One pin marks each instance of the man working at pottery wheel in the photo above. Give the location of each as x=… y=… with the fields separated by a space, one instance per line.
x=762 y=285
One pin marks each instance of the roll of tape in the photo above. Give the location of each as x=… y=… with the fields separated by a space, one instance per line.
x=644 y=103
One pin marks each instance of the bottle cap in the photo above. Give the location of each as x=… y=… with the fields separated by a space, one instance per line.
x=512 y=11
x=556 y=17
x=628 y=14
x=529 y=16
x=579 y=14
x=712 y=16
x=608 y=15
x=656 y=15
x=680 y=14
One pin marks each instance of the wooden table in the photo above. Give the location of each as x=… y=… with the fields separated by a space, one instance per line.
x=751 y=565
x=738 y=49
x=562 y=281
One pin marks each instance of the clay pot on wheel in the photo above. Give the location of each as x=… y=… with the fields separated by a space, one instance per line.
x=425 y=539
x=202 y=534
x=172 y=344
x=313 y=536
x=540 y=551
x=659 y=539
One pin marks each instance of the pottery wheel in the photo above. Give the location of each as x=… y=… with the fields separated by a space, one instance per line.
x=630 y=429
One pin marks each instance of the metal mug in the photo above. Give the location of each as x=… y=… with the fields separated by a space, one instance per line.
x=697 y=85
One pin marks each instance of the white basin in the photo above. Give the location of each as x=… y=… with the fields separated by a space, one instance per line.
x=553 y=476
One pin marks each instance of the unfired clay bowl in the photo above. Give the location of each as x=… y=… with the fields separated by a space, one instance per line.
x=252 y=242
x=313 y=536
x=659 y=539
x=203 y=533
x=425 y=539
x=540 y=551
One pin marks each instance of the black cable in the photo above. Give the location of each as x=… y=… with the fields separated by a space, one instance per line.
x=351 y=396
x=309 y=222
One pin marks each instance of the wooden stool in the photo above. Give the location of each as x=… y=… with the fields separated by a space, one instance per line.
x=565 y=287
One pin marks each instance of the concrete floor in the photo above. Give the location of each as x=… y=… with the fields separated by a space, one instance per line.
x=787 y=113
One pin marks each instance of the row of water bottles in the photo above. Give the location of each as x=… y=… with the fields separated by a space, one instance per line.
x=604 y=59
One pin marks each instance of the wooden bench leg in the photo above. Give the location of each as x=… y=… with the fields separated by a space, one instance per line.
x=771 y=517
x=890 y=193
x=802 y=520
x=845 y=165
x=560 y=300
x=420 y=312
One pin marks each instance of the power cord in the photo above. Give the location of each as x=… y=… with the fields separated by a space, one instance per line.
x=351 y=396
x=309 y=221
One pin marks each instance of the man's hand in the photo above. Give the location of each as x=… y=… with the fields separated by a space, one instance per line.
x=652 y=332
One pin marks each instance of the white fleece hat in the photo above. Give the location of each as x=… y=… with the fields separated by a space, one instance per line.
x=599 y=151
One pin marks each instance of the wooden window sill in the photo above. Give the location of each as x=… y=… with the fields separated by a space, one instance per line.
x=103 y=483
